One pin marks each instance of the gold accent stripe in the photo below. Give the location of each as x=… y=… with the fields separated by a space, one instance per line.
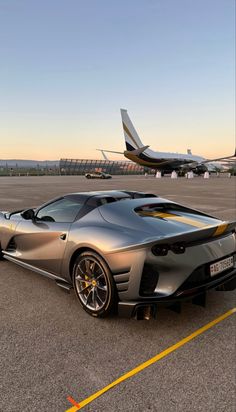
x=153 y=360
x=220 y=229
x=157 y=164
x=130 y=135
x=181 y=219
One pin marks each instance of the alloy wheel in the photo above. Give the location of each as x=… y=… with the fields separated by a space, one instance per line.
x=91 y=284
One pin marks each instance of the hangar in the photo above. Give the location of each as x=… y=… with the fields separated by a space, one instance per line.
x=82 y=166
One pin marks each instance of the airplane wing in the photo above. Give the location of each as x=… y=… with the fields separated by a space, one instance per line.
x=214 y=160
x=103 y=154
x=219 y=158
x=109 y=151
x=135 y=152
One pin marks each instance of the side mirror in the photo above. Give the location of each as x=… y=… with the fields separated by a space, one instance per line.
x=28 y=214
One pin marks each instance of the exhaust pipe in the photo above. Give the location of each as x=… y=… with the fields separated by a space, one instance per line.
x=145 y=312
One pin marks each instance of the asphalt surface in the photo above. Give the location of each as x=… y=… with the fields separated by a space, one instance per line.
x=50 y=348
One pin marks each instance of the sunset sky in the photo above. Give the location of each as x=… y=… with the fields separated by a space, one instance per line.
x=67 y=67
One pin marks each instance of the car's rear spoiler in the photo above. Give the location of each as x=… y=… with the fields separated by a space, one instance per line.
x=208 y=233
x=187 y=239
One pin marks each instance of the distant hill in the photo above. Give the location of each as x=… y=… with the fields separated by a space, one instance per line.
x=28 y=163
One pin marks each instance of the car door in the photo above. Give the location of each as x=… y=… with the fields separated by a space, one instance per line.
x=41 y=242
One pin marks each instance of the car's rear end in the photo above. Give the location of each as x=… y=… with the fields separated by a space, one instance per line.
x=187 y=253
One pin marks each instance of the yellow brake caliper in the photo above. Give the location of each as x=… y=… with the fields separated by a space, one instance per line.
x=86 y=283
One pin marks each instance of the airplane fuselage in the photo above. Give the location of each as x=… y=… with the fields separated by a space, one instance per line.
x=166 y=162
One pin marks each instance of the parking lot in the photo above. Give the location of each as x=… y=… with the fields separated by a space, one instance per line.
x=51 y=349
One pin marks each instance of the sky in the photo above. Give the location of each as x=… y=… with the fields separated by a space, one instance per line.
x=67 y=67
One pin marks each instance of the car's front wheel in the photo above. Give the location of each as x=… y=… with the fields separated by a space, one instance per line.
x=94 y=284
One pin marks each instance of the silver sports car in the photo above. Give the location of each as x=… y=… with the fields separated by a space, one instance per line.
x=97 y=175
x=123 y=249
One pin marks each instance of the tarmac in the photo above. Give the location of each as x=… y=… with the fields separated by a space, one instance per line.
x=51 y=349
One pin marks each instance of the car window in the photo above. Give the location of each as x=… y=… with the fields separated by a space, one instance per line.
x=61 y=211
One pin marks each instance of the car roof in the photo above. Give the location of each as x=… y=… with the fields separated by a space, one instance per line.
x=92 y=200
x=95 y=199
x=102 y=194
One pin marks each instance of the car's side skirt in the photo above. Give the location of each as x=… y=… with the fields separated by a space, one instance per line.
x=35 y=269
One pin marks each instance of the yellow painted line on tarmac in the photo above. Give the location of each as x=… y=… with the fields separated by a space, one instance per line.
x=149 y=362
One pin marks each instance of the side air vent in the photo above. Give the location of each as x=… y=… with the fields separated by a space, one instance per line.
x=11 y=245
x=122 y=281
x=149 y=280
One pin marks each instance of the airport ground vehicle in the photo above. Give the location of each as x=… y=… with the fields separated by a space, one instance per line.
x=123 y=249
x=98 y=175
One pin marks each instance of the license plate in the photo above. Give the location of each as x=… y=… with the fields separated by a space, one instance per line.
x=222 y=265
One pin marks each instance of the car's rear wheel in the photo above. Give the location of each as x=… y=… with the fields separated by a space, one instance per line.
x=94 y=284
x=88 y=177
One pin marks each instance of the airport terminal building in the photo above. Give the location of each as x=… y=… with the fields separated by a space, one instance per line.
x=82 y=166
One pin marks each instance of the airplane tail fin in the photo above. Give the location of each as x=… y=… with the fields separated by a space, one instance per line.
x=132 y=139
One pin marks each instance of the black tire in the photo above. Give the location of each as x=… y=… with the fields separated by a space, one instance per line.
x=94 y=285
x=88 y=177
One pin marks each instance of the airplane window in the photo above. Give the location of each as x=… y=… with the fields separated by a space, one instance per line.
x=61 y=211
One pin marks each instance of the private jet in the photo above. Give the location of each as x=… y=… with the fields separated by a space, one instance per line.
x=165 y=162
